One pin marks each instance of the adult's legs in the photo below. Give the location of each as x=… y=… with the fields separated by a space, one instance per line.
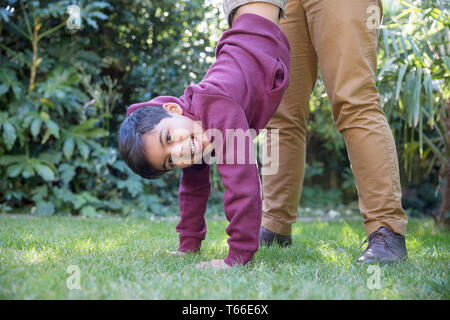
x=346 y=45
x=282 y=190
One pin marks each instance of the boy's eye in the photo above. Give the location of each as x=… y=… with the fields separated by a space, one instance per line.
x=168 y=137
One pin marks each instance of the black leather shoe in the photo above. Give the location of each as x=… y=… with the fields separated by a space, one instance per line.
x=384 y=246
x=267 y=237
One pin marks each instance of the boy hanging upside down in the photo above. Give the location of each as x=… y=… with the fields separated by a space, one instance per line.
x=239 y=94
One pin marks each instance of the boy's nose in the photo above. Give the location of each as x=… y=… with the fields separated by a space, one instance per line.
x=180 y=151
x=179 y=148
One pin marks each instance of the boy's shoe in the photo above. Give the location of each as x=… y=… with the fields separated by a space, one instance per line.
x=384 y=246
x=267 y=237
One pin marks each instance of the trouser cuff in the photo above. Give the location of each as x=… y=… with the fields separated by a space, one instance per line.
x=276 y=226
x=393 y=225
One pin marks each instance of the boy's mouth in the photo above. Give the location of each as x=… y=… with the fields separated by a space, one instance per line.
x=192 y=147
x=196 y=146
x=198 y=150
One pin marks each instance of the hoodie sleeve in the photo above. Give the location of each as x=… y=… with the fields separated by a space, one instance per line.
x=220 y=116
x=193 y=196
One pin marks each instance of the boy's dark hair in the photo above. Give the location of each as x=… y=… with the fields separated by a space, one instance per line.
x=131 y=146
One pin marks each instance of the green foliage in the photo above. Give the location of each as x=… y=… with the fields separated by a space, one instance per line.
x=413 y=81
x=421 y=199
x=316 y=197
x=414 y=84
x=64 y=92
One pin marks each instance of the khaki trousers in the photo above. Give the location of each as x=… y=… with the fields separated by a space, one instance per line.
x=335 y=34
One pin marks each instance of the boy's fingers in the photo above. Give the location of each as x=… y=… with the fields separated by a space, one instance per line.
x=217 y=264
x=174 y=252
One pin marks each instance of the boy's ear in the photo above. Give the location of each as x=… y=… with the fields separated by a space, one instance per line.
x=173 y=107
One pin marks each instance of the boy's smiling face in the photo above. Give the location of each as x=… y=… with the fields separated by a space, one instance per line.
x=175 y=142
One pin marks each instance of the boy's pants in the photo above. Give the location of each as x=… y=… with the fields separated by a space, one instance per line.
x=341 y=36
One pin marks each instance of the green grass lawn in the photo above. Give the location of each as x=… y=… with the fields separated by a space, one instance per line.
x=122 y=258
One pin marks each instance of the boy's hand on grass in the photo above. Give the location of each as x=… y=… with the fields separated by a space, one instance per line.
x=175 y=253
x=216 y=264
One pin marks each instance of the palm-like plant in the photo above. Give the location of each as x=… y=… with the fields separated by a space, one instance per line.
x=414 y=86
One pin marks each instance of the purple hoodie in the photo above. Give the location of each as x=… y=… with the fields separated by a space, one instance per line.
x=241 y=90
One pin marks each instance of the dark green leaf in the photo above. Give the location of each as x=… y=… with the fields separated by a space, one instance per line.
x=28 y=171
x=9 y=134
x=67 y=172
x=44 y=208
x=44 y=171
x=78 y=201
x=14 y=170
x=88 y=211
x=68 y=147
x=416 y=95
x=39 y=193
x=401 y=74
x=10 y=159
x=35 y=127
x=3 y=88
x=53 y=128
x=429 y=97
